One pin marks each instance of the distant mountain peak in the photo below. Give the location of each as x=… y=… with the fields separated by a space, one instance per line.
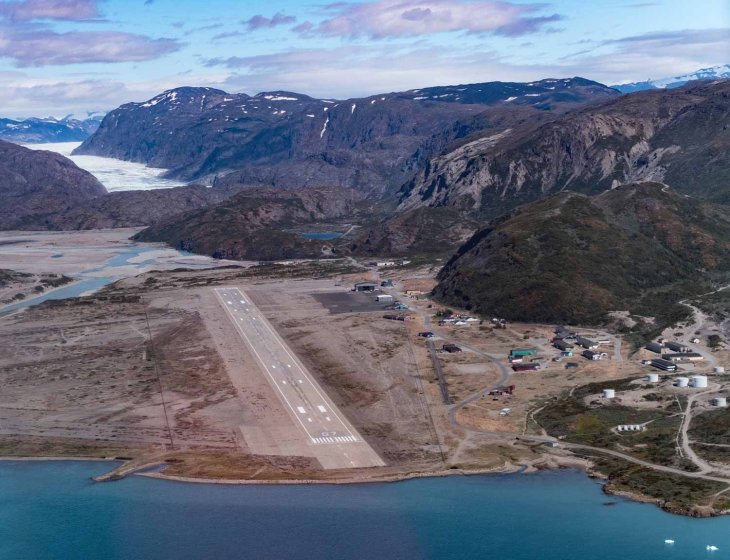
x=721 y=72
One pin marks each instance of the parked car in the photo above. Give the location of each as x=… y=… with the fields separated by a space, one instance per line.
x=426 y=334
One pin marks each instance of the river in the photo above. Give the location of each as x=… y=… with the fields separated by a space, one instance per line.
x=52 y=510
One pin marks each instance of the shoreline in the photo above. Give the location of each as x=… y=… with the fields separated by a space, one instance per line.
x=545 y=463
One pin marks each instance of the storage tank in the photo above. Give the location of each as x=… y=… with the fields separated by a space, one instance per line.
x=681 y=382
x=719 y=401
x=699 y=381
x=609 y=393
x=719 y=369
x=653 y=378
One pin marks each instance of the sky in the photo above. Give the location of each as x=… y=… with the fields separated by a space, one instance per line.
x=60 y=57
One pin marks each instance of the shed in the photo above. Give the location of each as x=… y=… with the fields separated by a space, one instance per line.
x=665 y=365
x=365 y=287
x=451 y=348
x=654 y=347
x=384 y=298
x=677 y=347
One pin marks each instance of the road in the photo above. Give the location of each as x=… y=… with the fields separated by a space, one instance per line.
x=333 y=440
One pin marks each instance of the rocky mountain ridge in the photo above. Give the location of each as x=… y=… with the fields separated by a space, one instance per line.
x=40 y=131
x=679 y=137
x=286 y=139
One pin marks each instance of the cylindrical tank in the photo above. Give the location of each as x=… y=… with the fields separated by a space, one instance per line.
x=719 y=401
x=699 y=381
x=653 y=378
x=681 y=382
x=609 y=393
x=719 y=369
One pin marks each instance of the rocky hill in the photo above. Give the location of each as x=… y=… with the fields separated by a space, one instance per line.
x=573 y=258
x=36 y=186
x=285 y=139
x=258 y=224
x=40 y=131
x=680 y=137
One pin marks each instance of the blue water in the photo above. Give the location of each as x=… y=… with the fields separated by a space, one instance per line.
x=322 y=236
x=88 y=284
x=53 y=511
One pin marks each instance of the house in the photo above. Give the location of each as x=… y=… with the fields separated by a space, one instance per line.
x=365 y=287
x=395 y=317
x=677 y=347
x=594 y=356
x=451 y=348
x=586 y=343
x=683 y=357
x=499 y=391
x=563 y=345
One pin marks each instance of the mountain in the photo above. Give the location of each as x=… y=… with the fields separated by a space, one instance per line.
x=680 y=137
x=285 y=139
x=573 y=258
x=721 y=72
x=257 y=224
x=131 y=208
x=35 y=186
x=40 y=131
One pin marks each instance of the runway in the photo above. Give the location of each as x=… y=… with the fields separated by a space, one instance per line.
x=333 y=440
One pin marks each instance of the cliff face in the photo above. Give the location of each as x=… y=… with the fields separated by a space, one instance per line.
x=285 y=139
x=680 y=137
x=35 y=186
x=572 y=258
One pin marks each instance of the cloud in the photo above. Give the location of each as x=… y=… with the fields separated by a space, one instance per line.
x=62 y=10
x=407 y=18
x=25 y=96
x=262 y=22
x=353 y=71
x=38 y=46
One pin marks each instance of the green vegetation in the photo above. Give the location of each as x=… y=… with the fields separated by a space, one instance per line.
x=675 y=493
x=572 y=258
x=712 y=427
x=568 y=417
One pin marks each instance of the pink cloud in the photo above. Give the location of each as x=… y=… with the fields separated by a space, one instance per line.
x=405 y=18
x=69 y=10
x=42 y=47
x=263 y=22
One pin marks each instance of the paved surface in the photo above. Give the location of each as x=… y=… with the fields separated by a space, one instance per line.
x=351 y=302
x=333 y=440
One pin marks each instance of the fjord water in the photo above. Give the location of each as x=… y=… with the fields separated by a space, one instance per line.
x=114 y=174
x=52 y=510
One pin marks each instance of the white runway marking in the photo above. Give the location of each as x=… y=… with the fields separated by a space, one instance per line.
x=294 y=384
